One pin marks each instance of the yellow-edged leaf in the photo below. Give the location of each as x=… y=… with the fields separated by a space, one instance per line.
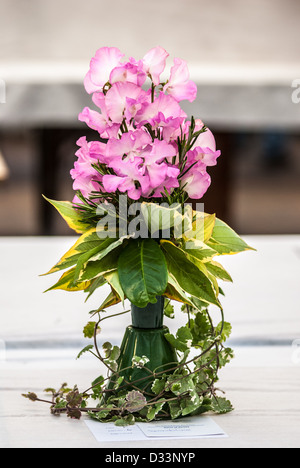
x=86 y=242
x=66 y=283
x=69 y=214
x=202 y=227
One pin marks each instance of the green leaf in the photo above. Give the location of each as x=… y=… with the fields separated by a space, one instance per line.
x=175 y=409
x=199 y=249
x=154 y=410
x=97 y=385
x=142 y=272
x=200 y=328
x=67 y=283
x=225 y=329
x=169 y=310
x=221 y=405
x=189 y=277
x=95 y=268
x=112 y=277
x=94 y=284
x=159 y=385
x=128 y=420
x=190 y=403
x=88 y=241
x=226 y=241
x=175 y=292
x=140 y=362
x=89 y=329
x=183 y=339
x=84 y=350
x=111 y=299
x=69 y=214
x=202 y=227
x=218 y=271
x=159 y=217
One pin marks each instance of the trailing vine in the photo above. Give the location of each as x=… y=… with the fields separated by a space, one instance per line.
x=186 y=388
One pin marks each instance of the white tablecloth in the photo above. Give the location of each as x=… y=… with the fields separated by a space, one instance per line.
x=41 y=335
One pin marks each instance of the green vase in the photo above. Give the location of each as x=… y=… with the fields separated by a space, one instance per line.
x=146 y=337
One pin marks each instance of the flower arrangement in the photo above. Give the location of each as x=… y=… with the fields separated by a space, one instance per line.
x=140 y=236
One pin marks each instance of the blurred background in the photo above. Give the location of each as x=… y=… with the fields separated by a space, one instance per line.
x=244 y=57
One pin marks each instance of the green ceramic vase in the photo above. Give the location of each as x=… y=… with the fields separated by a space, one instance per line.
x=146 y=337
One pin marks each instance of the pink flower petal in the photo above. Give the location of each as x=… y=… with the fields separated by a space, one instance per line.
x=179 y=85
x=101 y=66
x=154 y=63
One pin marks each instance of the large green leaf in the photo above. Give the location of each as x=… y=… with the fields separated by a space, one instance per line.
x=226 y=241
x=175 y=292
x=85 y=243
x=96 y=268
x=142 y=271
x=202 y=226
x=191 y=279
x=66 y=283
x=164 y=217
x=199 y=249
x=69 y=214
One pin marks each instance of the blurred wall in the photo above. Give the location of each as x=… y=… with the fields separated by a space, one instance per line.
x=243 y=55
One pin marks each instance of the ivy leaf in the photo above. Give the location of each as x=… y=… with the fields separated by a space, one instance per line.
x=169 y=310
x=159 y=385
x=190 y=403
x=154 y=410
x=226 y=330
x=74 y=398
x=128 y=420
x=183 y=339
x=175 y=409
x=74 y=413
x=89 y=330
x=139 y=361
x=200 y=328
x=221 y=406
x=135 y=401
x=118 y=382
x=97 y=387
x=84 y=350
x=30 y=395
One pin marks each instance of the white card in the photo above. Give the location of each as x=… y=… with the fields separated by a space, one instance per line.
x=109 y=432
x=186 y=428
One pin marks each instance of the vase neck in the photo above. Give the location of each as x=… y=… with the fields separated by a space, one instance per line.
x=150 y=316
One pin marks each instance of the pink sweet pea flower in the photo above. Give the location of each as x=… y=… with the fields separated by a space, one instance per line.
x=127 y=175
x=85 y=177
x=101 y=66
x=163 y=111
x=156 y=157
x=124 y=99
x=196 y=181
x=93 y=119
x=130 y=145
x=179 y=85
x=205 y=147
x=132 y=72
x=168 y=184
x=154 y=63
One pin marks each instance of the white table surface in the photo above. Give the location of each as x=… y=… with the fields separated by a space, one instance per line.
x=41 y=334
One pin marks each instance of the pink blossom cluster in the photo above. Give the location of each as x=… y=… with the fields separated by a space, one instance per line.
x=139 y=128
